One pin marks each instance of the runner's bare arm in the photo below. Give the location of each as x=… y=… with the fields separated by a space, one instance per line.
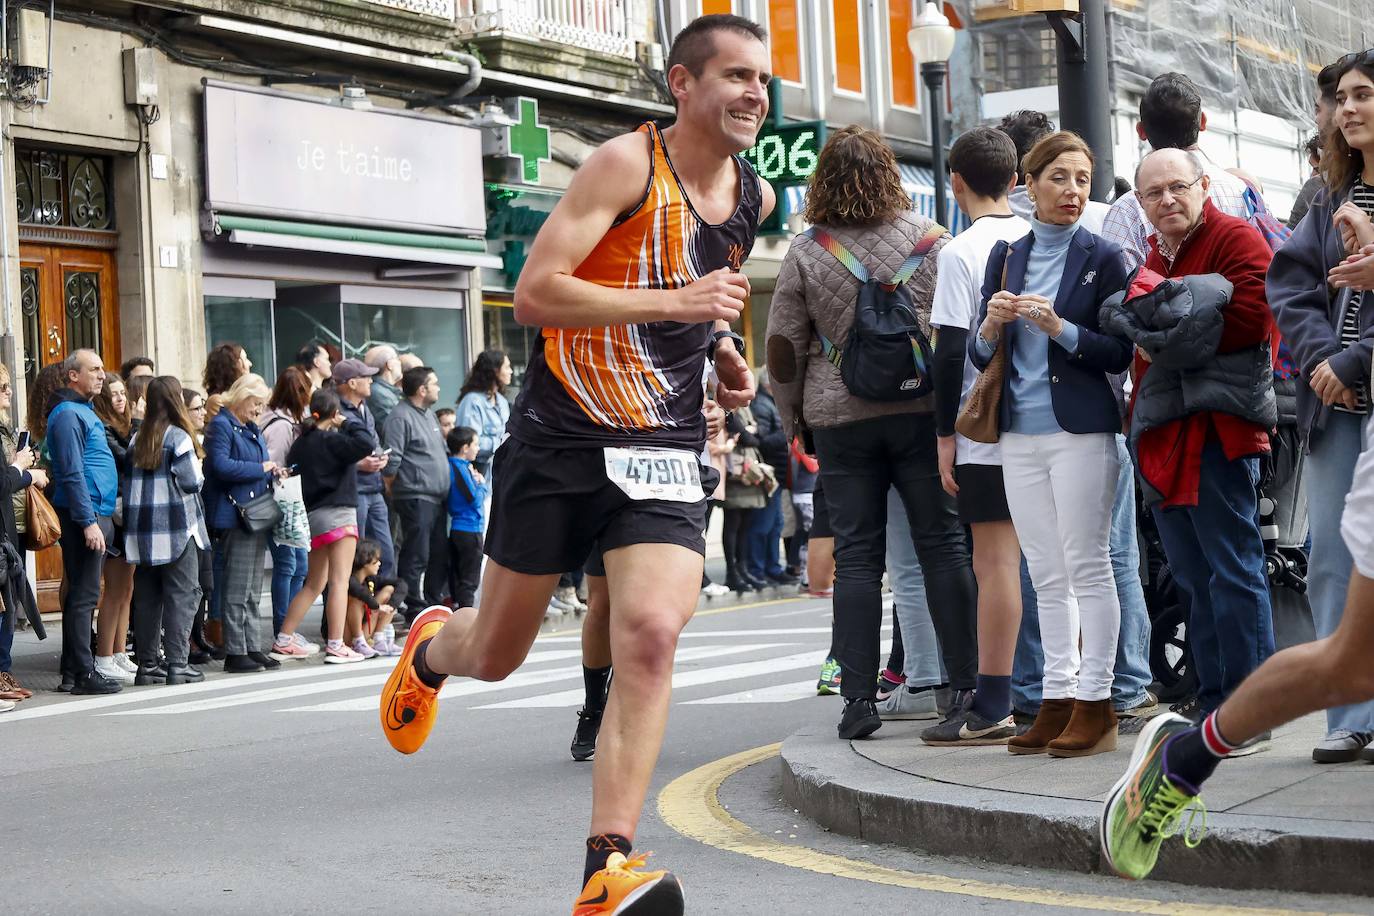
x=548 y=295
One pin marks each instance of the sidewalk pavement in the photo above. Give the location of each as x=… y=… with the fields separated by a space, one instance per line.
x=1275 y=819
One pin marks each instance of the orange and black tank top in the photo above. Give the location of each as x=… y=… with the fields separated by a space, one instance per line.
x=637 y=384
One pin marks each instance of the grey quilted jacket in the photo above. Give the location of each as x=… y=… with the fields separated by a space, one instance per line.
x=1179 y=325
x=815 y=291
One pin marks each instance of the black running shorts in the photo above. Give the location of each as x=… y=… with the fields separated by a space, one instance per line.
x=982 y=494
x=551 y=508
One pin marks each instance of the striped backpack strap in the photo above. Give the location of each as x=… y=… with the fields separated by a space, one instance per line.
x=918 y=256
x=839 y=252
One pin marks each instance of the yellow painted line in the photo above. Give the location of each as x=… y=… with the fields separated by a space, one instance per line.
x=691 y=805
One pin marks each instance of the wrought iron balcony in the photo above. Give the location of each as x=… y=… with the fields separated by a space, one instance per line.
x=603 y=26
x=442 y=9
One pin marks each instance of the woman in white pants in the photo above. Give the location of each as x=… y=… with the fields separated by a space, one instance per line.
x=1058 y=423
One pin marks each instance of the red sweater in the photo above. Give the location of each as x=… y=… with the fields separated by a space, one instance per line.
x=1170 y=456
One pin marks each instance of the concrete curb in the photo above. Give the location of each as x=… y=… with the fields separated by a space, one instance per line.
x=829 y=782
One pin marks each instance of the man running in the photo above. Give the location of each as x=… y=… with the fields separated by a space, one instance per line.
x=1173 y=758
x=634 y=281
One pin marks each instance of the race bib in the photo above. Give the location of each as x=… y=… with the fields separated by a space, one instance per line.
x=655 y=473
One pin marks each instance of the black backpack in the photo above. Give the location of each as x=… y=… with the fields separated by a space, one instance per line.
x=887 y=357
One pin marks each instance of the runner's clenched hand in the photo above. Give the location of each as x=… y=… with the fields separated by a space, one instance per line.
x=718 y=296
x=736 y=388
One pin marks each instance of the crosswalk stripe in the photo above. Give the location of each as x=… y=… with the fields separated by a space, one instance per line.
x=719 y=634
x=778 y=693
x=522 y=679
x=680 y=680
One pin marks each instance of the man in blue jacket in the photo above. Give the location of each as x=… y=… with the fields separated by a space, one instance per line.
x=85 y=484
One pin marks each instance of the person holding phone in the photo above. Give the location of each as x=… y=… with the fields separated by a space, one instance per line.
x=354 y=380
x=18 y=475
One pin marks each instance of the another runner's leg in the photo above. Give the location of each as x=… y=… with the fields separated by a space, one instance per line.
x=1172 y=758
x=486 y=646
x=596 y=666
x=653 y=588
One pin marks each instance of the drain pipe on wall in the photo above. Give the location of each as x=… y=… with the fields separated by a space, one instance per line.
x=466 y=88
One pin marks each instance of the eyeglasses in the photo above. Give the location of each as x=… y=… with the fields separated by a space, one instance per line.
x=1332 y=71
x=198 y=407
x=1177 y=189
x=6 y=388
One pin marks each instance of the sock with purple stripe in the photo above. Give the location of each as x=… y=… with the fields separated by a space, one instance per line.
x=1191 y=756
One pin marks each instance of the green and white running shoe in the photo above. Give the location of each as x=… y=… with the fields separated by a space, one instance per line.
x=829 y=684
x=1147 y=805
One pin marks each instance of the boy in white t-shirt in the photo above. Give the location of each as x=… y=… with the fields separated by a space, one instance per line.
x=982 y=163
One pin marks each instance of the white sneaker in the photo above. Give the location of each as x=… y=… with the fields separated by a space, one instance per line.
x=554 y=611
x=714 y=590
x=301 y=642
x=122 y=660
x=107 y=668
x=6 y=705
x=340 y=656
x=902 y=705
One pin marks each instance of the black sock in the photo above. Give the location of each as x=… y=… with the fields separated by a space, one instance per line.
x=992 y=698
x=429 y=678
x=599 y=849
x=1189 y=758
x=597 y=682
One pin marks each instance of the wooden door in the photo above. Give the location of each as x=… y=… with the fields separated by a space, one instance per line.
x=68 y=302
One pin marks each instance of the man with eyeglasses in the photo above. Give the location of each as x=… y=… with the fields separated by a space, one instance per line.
x=1201 y=411
x=1171 y=117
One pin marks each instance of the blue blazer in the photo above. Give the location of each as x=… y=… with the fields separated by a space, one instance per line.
x=1079 y=388
x=234 y=455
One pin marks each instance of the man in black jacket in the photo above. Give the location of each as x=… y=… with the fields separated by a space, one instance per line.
x=765 y=530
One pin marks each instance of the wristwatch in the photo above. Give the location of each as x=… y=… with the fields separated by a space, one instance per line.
x=718 y=336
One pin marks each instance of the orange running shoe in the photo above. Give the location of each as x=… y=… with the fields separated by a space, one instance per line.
x=408 y=707
x=619 y=889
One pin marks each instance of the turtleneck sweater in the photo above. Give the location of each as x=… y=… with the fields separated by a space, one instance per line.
x=1032 y=408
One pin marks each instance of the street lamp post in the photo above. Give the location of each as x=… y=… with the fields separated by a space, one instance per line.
x=931 y=40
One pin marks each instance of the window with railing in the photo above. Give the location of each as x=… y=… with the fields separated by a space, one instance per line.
x=443 y=9
x=594 y=25
x=1018 y=58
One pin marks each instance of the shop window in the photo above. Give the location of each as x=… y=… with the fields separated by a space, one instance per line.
x=784 y=33
x=63 y=189
x=848 y=45
x=297 y=322
x=247 y=321
x=436 y=335
x=902 y=60
x=32 y=320
x=503 y=332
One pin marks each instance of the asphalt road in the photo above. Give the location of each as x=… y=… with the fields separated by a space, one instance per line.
x=276 y=793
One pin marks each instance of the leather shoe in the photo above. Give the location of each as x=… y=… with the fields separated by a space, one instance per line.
x=150 y=674
x=93 y=684
x=859 y=719
x=265 y=660
x=184 y=674
x=783 y=579
x=757 y=585
x=240 y=664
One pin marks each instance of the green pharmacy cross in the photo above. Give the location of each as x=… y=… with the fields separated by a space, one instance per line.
x=528 y=140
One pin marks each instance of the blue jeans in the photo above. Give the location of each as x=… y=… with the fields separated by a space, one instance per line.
x=214 y=611
x=923 y=666
x=1217 y=557
x=289 y=565
x=6 y=638
x=765 y=538
x=1131 y=675
x=1329 y=471
x=374 y=523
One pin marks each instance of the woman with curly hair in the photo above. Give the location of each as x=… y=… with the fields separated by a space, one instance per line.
x=223 y=366
x=867 y=447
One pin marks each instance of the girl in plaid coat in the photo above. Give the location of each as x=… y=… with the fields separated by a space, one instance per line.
x=164 y=533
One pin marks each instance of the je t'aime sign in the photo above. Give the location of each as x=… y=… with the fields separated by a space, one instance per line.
x=272 y=154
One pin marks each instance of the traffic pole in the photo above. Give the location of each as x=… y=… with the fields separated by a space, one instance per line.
x=933 y=73
x=1085 y=100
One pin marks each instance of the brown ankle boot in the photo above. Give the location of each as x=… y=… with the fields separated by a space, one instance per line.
x=1050 y=721
x=1092 y=730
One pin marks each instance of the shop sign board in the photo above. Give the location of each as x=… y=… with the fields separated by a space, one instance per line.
x=296 y=157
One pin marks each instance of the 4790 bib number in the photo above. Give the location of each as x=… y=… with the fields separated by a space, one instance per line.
x=655 y=473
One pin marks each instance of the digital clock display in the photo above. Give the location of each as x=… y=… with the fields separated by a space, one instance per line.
x=787 y=155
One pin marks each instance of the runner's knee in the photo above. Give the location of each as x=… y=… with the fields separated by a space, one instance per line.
x=647 y=645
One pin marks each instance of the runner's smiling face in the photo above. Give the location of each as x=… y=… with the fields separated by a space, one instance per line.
x=729 y=100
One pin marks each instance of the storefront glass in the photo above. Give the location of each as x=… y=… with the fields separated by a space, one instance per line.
x=299 y=322
x=247 y=321
x=437 y=335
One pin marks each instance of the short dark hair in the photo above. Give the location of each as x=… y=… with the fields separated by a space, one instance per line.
x=1026 y=128
x=131 y=364
x=445 y=412
x=460 y=437
x=323 y=405
x=1171 y=112
x=986 y=159
x=412 y=380
x=1313 y=146
x=1327 y=78
x=696 y=43
x=305 y=356
x=367 y=551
